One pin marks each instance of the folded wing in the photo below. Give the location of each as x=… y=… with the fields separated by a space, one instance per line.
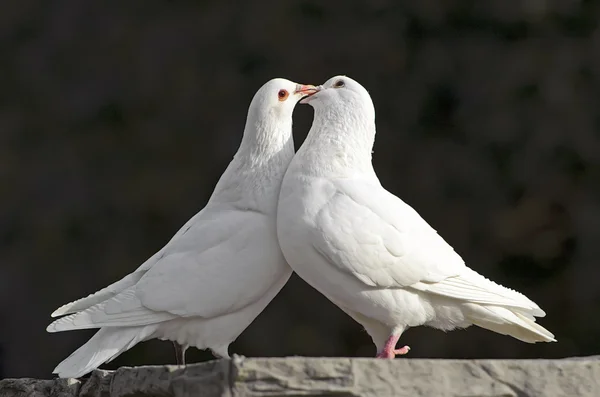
x=366 y=231
x=193 y=278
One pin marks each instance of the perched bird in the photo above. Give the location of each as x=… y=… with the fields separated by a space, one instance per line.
x=219 y=271
x=369 y=252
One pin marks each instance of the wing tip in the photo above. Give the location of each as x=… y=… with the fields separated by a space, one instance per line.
x=60 y=311
x=62 y=324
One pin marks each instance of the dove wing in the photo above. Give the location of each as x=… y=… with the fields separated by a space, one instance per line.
x=382 y=241
x=220 y=279
x=193 y=278
x=123 y=284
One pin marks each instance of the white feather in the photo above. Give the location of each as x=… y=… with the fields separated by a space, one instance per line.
x=103 y=347
x=473 y=287
x=100 y=296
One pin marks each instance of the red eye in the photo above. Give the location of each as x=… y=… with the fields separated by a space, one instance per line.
x=283 y=95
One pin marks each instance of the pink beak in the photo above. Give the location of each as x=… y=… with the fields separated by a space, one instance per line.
x=306 y=89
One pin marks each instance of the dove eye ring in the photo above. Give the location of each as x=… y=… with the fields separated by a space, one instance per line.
x=339 y=84
x=283 y=95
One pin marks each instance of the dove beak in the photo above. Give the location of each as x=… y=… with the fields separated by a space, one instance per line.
x=306 y=91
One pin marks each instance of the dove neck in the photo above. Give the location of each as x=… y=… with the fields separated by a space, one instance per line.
x=254 y=176
x=266 y=139
x=339 y=143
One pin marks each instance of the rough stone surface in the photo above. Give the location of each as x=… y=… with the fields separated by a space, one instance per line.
x=39 y=388
x=349 y=377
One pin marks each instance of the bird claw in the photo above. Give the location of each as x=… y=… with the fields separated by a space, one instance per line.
x=402 y=350
x=391 y=353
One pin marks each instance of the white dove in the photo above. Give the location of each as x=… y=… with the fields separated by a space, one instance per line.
x=219 y=271
x=369 y=252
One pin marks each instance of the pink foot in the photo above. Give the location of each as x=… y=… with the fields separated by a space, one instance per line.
x=390 y=351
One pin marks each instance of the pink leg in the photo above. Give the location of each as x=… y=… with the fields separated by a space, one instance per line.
x=389 y=350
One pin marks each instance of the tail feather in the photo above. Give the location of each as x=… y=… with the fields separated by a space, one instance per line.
x=507 y=321
x=99 y=296
x=471 y=286
x=103 y=347
x=123 y=310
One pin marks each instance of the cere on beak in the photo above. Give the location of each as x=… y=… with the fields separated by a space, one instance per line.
x=306 y=90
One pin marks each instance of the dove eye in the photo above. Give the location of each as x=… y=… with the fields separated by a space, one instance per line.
x=283 y=95
x=339 y=84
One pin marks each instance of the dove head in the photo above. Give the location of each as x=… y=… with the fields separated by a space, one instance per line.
x=343 y=97
x=269 y=120
x=278 y=97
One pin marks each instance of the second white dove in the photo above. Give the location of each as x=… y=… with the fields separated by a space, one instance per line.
x=369 y=252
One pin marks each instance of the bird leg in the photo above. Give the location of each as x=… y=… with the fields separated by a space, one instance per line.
x=389 y=350
x=179 y=353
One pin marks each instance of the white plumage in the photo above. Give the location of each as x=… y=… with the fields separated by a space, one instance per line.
x=368 y=251
x=219 y=271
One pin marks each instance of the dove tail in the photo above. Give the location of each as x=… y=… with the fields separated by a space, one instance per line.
x=508 y=321
x=103 y=347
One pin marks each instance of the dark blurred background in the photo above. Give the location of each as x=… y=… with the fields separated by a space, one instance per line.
x=118 y=117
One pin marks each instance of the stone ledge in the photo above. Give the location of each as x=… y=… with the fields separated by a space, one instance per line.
x=342 y=377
